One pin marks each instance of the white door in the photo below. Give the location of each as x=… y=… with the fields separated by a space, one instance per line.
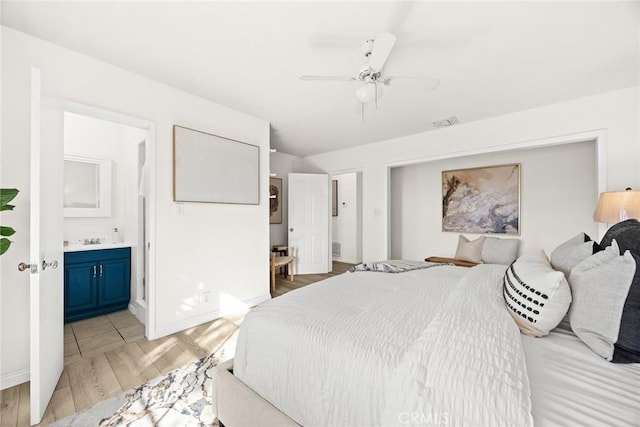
x=46 y=258
x=309 y=222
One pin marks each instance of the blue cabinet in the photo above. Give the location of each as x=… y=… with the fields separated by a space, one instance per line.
x=96 y=282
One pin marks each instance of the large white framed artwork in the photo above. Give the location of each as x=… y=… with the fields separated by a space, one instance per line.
x=211 y=169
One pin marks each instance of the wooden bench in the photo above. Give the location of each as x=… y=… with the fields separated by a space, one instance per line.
x=458 y=262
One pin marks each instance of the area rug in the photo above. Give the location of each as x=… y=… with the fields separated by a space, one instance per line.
x=182 y=397
x=95 y=414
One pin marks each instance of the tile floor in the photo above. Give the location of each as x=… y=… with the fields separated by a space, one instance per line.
x=86 y=338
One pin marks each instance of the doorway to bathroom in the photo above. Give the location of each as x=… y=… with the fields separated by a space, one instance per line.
x=124 y=147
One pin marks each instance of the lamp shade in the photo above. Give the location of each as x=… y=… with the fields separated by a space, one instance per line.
x=616 y=206
x=369 y=92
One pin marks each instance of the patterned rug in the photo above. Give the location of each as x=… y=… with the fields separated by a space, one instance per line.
x=182 y=397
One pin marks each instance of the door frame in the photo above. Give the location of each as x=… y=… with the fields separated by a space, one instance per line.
x=150 y=128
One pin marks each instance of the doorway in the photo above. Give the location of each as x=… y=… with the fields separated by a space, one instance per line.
x=346 y=220
x=127 y=144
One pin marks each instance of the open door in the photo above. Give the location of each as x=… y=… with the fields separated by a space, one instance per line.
x=46 y=258
x=309 y=222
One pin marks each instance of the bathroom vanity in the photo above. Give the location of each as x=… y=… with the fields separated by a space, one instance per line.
x=97 y=280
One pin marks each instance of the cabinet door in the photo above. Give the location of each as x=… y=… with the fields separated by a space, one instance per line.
x=80 y=282
x=114 y=282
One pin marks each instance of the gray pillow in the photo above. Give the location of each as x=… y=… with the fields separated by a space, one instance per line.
x=626 y=233
x=627 y=348
x=572 y=252
x=500 y=251
x=600 y=285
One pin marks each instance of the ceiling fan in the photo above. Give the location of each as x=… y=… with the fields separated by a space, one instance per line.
x=370 y=75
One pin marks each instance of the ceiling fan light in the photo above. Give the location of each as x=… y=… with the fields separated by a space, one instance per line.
x=369 y=92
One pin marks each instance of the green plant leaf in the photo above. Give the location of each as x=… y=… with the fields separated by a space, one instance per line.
x=7 y=195
x=6 y=231
x=4 y=245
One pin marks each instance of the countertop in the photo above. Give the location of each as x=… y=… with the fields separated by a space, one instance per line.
x=77 y=248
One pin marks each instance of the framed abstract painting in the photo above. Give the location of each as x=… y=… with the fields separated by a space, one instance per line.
x=482 y=200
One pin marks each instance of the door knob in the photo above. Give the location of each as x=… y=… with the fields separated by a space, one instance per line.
x=291 y=229
x=53 y=264
x=33 y=268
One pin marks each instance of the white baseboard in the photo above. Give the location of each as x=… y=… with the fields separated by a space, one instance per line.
x=257 y=300
x=138 y=310
x=14 y=378
x=181 y=325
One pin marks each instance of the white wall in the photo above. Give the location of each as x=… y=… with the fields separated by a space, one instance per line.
x=193 y=252
x=558 y=193
x=616 y=113
x=347 y=226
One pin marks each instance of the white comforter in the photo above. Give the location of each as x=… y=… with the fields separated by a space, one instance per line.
x=426 y=347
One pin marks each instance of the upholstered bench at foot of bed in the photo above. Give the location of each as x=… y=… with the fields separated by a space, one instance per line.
x=239 y=405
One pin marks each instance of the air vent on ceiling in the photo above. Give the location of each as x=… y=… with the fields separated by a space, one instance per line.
x=446 y=122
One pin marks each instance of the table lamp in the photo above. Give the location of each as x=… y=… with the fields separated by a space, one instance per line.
x=616 y=206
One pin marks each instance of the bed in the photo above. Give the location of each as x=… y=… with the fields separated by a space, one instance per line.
x=430 y=346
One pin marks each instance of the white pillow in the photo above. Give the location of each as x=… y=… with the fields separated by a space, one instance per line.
x=500 y=251
x=469 y=250
x=571 y=253
x=536 y=295
x=601 y=285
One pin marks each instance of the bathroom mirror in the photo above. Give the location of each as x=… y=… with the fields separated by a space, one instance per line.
x=87 y=187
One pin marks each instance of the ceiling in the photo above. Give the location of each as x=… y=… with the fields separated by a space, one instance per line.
x=492 y=58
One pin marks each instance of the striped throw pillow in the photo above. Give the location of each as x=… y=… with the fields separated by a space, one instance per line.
x=536 y=295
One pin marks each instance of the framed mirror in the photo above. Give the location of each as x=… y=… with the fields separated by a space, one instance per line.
x=87 y=187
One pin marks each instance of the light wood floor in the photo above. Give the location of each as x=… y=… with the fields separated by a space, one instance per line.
x=284 y=285
x=108 y=354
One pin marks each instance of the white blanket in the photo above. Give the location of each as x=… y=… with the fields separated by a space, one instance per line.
x=467 y=368
x=422 y=347
x=571 y=385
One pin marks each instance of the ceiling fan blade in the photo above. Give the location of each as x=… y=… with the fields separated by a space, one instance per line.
x=411 y=82
x=382 y=46
x=328 y=78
